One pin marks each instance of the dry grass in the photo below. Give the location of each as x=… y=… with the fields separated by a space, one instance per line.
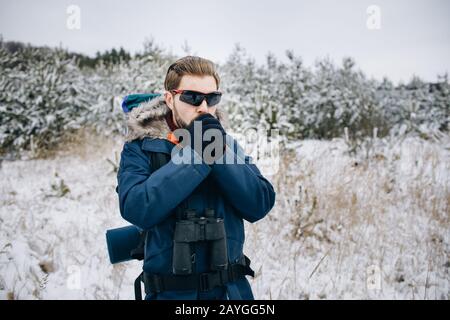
x=335 y=216
x=82 y=143
x=342 y=215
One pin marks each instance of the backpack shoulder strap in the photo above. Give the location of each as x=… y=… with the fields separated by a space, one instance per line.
x=158 y=159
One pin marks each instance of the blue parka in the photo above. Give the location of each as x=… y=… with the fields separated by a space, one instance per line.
x=148 y=199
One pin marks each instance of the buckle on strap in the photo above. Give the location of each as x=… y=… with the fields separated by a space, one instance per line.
x=231 y=274
x=246 y=263
x=137 y=287
x=204 y=282
x=153 y=283
x=157 y=283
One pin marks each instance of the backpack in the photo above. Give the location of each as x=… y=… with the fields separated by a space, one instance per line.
x=128 y=243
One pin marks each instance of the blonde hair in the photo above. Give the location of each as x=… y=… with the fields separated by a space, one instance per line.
x=189 y=65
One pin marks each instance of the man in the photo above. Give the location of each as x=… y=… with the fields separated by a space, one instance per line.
x=210 y=198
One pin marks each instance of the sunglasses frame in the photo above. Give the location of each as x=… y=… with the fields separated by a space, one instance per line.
x=180 y=91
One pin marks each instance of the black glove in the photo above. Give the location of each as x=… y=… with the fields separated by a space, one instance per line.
x=208 y=121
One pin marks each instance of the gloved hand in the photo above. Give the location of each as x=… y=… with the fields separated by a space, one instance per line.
x=207 y=121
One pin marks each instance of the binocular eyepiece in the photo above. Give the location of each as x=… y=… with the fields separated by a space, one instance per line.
x=194 y=229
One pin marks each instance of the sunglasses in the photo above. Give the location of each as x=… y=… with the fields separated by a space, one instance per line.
x=196 y=98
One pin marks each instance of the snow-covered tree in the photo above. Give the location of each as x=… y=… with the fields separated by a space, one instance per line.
x=45 y=93
x=42 y=97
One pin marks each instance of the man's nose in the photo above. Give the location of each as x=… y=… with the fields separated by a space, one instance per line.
x=203 y=107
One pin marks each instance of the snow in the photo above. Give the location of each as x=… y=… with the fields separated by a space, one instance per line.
x=343 y=226
x=388 y=214
x=39 y=225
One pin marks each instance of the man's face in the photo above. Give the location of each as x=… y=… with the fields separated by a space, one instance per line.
x=183 y=113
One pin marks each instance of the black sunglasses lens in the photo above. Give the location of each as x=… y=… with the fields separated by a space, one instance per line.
x=192 y=98
x=213 y=98
x=196 y=98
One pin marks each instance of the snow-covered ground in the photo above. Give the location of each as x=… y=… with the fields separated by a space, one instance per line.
x=343 y=227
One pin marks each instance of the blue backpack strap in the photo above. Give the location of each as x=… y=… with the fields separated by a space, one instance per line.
x=158 y=159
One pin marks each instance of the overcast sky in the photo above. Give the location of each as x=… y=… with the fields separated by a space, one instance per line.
x=413 y=38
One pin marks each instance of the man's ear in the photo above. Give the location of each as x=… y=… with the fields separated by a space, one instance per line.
x=168 y=97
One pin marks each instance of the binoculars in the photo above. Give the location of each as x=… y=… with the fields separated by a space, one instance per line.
x=127 y=243
x=194 y=229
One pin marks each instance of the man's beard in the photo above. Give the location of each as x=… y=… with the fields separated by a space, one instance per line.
x=179 y=122
x=177 y=119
